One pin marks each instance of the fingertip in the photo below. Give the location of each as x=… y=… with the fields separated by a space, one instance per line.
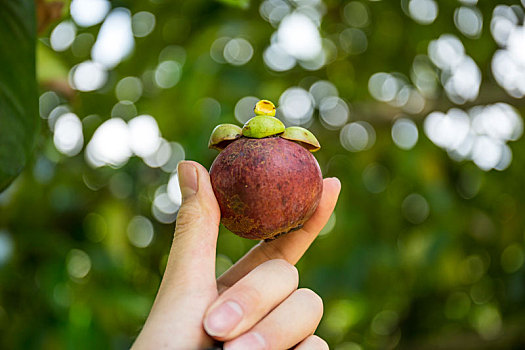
x=313 y=342
x=331 y=189
x=333 y=183
x=188 y=179
x=205 y=193
x=202 y=174
x=200 y=169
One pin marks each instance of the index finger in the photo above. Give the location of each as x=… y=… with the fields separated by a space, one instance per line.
x=289 y=247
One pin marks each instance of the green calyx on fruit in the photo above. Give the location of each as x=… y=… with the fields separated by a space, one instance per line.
x=303 y=137
x=264 y=107
x=223 y=135
x=262 y=126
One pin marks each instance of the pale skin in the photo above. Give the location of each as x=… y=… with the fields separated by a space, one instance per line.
x=255 y=304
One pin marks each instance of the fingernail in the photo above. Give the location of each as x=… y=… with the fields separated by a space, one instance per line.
x=252 y=341
x=223 y=318
x=187 y=179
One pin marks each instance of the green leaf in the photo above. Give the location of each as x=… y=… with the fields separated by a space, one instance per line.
x=19 y=122
x=243 y=4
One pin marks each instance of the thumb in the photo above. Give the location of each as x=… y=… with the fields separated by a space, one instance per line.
x=191 y=263
x=188 y=285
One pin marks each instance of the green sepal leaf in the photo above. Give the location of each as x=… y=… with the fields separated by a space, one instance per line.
x=262 y=126
x=303 y=137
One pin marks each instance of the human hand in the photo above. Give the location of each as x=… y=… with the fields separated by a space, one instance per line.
x=253 y=305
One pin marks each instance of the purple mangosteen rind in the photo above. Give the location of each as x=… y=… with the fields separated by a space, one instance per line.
x=265 y=178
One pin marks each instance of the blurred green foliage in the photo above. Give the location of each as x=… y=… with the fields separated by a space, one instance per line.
x=18 y=89
x=423 y=252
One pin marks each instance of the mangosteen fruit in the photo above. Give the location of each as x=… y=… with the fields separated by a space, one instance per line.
x=265 y=178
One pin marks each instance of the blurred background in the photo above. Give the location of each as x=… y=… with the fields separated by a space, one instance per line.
x=417 y=105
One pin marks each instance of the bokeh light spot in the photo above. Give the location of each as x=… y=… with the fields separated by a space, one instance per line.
x=109 y=144
x=82 y=45
x=167 y=74
x=503 y=22
x=342 y=315
x=63 y=36
x=487 y=322
x=383 y=86
x=217 y=49
x=480 y=135
x=78 y=263
x=277 y=59
x=424 y=76
x=174 y=190
x=244 y=108
x=173 y=53
x=375 y=178
x=469 y=21
x=144 y=135
x=161 y=156
x=447 y=130
x=334 y=112
x=177 y=154
x=322 y=89
x=142 y=23
x=140 y=231
x=47 y=102
x=238 y=51
x=163 y=208
x=415 y=208
x=6 y=247
x=114 y=40
x=404 y=133
x=299 y=37
x=55 y=114
x=121 y=185
x=124 y=110
x=460 y=77
x=68 y=136
x=385 y=322
x=471 y=269
x=353 y=41
x=446 y=52
x=356 y=14
x=423 y=11
x=358 y=136
x=209 y=108
x=512 y=258
x=482 y=291
x=296 y=105
x=129 y=88
x=486 y=152
x=89 y=12
x=88 y=76
x=330 y=224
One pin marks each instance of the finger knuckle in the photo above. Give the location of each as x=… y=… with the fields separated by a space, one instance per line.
x=271 y=251
x=248 y=296
x=313 y=299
